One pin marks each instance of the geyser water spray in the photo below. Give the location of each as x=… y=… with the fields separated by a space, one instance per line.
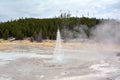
x=58 y=53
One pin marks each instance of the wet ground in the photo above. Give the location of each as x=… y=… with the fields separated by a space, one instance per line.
x=23 y=62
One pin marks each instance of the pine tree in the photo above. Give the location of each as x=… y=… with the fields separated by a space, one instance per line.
x=6 y=34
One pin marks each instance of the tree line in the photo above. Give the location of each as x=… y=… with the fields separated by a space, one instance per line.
x=47 y=27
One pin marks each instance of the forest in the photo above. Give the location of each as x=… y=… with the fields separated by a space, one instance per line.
x=46 y=28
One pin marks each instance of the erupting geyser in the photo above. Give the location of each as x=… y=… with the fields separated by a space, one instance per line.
x=58 y=53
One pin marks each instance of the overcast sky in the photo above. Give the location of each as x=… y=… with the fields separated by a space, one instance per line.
x=14 y=9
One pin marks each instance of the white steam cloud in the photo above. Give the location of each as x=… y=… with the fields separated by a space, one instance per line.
x=107 y=32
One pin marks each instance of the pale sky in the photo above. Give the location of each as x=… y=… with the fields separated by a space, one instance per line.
x=14 y=9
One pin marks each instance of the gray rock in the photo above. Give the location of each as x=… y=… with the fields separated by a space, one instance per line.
x=118 y=54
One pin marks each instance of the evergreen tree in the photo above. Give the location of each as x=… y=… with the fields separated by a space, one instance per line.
x=6 y=35
x=47 y=28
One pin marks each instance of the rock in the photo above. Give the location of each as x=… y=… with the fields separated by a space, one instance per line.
x=118 y=54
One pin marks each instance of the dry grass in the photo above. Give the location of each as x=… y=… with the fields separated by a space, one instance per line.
x=76 y=45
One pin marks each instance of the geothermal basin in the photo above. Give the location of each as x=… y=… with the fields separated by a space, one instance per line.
x=80 y=61
x=71 y=60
